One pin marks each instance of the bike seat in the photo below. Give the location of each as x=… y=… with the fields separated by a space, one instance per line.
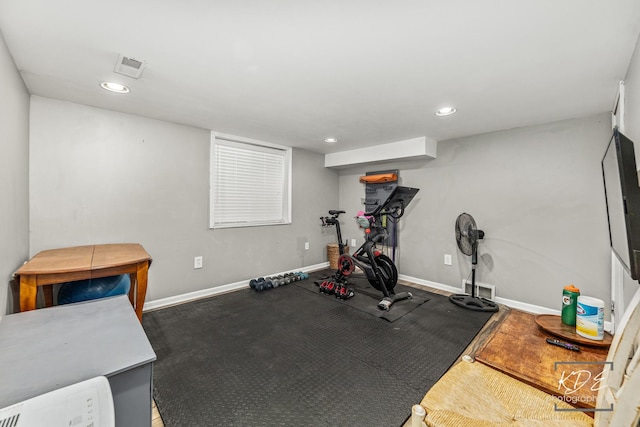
x=332 y=212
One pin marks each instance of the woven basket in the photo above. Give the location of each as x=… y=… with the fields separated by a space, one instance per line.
x=473 y=394
x=333 y=253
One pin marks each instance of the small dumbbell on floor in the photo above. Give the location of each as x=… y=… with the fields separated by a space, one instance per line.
x=263 y=283
x=343 y=292
x=327 y=287
x=278 y=281
x=301 y=275
x=260 y=284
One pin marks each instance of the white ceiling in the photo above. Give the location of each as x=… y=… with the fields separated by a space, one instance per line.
x=295 y=72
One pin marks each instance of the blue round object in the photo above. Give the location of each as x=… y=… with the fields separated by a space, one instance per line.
x=85 y=290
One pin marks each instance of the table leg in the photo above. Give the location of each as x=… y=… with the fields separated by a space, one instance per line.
x=141 y=291
x=28 y=292
x=133 y=278
x=47 y=290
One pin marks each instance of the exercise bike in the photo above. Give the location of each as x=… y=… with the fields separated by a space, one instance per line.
x=378 y=268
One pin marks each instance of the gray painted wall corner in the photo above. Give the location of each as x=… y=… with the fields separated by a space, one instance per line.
x=536 y=192
x=14 y=178
x=99 y=176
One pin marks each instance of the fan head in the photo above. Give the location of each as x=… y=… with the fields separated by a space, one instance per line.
x=467 y=234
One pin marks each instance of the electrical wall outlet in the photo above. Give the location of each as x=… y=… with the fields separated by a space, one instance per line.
x=197 y=262
x=306 y=246
x=447 y=259
x=353 y=243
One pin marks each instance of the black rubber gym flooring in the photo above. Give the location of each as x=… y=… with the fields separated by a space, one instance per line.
x=292 y=357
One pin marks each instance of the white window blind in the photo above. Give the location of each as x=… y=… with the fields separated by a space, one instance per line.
x=249 y=184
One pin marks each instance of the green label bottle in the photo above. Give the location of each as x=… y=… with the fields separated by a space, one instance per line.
x=570 y=296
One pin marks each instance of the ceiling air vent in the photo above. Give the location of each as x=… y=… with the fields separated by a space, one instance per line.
x=129 y=67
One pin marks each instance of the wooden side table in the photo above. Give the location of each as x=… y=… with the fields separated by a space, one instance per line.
x=85 y=262
x=518 y=348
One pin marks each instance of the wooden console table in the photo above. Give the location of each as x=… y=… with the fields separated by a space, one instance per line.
x=85 y=262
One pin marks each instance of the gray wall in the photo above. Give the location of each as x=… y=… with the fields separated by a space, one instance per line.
x=536 y=192
x=99 y=176
x=14 y=174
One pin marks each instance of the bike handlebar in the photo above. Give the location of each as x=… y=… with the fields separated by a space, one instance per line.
x=333 y=219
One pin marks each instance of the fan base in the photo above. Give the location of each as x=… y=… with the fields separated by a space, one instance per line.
x=473 y=303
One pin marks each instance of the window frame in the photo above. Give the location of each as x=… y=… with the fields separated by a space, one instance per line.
x=218 y=138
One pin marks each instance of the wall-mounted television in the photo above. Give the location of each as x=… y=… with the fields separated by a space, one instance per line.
x=622 y=194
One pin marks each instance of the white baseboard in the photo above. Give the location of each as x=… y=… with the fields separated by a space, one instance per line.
x=530 y=308
x=204 y=293
x=535 y=309
x=429 y=283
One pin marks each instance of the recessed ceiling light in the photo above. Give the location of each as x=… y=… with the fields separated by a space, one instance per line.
x=114 y=87
x=445 y=111
x=331 y=140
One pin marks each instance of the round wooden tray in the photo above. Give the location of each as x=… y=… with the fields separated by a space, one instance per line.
x=553 y=324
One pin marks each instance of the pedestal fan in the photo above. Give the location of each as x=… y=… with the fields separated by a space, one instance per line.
x=467 y=237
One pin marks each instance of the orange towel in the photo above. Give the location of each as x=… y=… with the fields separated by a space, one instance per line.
x=375 y=179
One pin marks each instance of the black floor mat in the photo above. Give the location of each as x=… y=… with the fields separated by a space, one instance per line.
x=366 y=297
x=289 y=357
